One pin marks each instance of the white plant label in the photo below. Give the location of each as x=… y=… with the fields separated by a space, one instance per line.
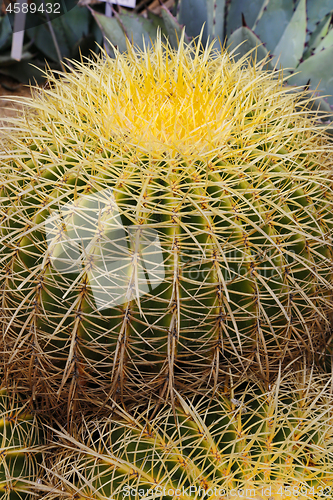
x=122 y=3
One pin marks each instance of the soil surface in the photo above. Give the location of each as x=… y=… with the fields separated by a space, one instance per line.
x=10 y=88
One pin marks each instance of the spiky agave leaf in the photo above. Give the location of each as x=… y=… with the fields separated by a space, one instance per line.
x=247 y=443
x=165 y=217
x=21 y=444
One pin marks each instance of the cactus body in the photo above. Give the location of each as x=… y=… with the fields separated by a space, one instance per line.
x=251 y=443
x=19 y=449
x=166 y=217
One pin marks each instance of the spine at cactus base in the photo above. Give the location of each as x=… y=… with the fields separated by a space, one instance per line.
x=247 y=444
x=166 y=218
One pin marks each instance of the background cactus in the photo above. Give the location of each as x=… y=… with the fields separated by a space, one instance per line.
x=165 y=218
x=20 y=448
x=247 y=443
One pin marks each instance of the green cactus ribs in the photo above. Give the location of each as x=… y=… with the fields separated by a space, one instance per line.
x=151 y=247
x=20 y=449
x=249 y=442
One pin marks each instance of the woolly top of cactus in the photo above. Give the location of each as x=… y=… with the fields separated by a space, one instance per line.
x=197 y=104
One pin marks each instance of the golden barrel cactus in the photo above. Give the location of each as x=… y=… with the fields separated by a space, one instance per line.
x=21 y=445
x=166 y=219
x=247 y=443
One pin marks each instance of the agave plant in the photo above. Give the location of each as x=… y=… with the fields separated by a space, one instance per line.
x=297 y=34
x=247 y=443
x=20 y=447
x=166 y=218
x=54 y=31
